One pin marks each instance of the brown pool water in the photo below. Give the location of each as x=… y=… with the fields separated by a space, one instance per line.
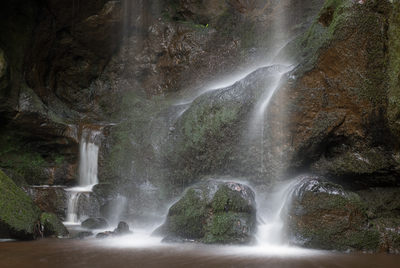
x=127 y=252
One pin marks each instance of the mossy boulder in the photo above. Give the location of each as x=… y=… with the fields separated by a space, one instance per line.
x=52 y=226
x=19 y=216
x=212 y=212
x=323 y=215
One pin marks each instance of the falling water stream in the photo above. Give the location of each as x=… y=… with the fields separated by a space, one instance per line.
x=89 y=151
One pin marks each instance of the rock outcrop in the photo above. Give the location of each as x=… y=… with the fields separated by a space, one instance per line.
x=212 y=212
x=323 y=215
x=335 y=108
x=49 y=199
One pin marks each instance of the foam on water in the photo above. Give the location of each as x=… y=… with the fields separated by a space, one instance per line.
x=142 y=239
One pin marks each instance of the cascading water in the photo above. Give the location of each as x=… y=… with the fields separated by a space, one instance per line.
x=271 y=229
x=89 y=150
x=271 y=203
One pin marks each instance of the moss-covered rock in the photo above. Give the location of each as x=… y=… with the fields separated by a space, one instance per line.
x=212 y=212
x=19 y=216
x=52 y=226
x=323 y=215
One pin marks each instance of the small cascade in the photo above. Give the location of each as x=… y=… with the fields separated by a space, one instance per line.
x=88 y=161
x=73 y=198
x=271 y=229
x=89 y=152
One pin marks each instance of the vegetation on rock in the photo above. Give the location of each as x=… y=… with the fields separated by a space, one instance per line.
x=212 y=212
x=52 y=226
x=19 y=216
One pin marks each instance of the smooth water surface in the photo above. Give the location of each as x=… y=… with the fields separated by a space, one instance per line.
x=140 y=250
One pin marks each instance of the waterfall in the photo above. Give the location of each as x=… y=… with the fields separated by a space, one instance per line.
x=271 y=204
x=89 y=152
x=88 y=161
x=271 y=228
x=73 y=198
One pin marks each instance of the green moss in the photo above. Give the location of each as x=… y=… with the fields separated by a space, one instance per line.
x=344 y=21
x=52 y=225
x=305 y=48
x=225 y=227
x=226 y=199
x=186 y=218
x=212 y=213
x=207 y=119
x=18 y=214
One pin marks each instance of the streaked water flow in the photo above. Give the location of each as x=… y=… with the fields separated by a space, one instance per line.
x=88 y=164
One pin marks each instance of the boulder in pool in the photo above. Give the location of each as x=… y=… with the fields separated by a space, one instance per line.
x=52 y=226
x=212 y=212
x=95 y=223
x=122 y=229
x=323 y=215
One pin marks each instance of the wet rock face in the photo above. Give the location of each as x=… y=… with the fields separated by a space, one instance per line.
x=335 y=106
x=212 y=212
x=205 y=138
x=323 y=215
x=382 y=208
x=49 y=199
x=79 y=40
